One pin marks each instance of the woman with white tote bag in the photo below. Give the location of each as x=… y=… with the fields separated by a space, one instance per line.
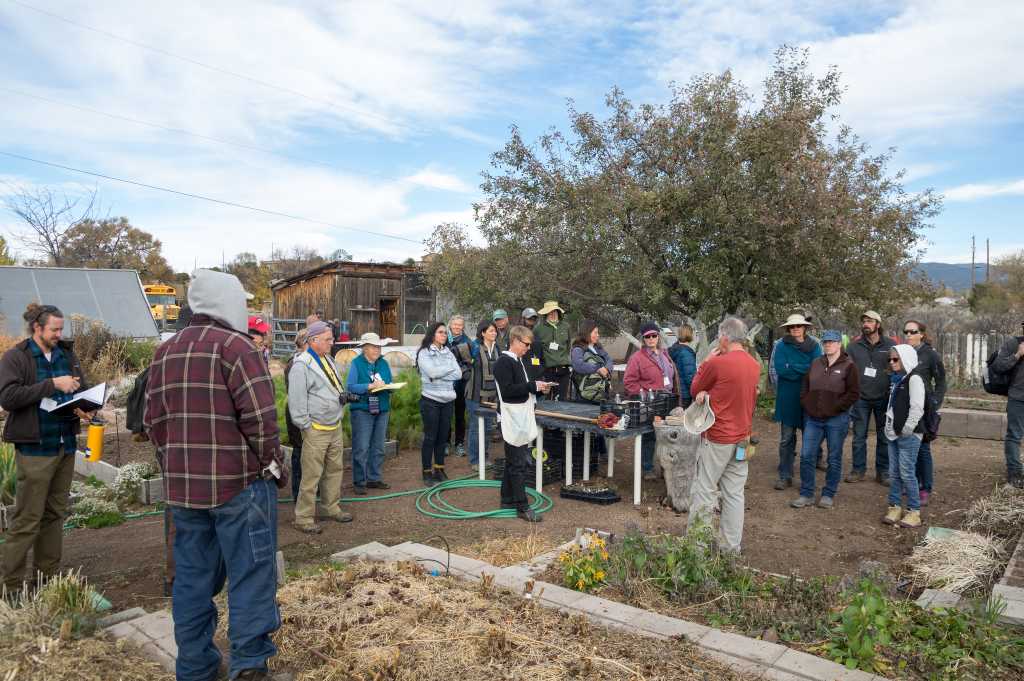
x=516 y=401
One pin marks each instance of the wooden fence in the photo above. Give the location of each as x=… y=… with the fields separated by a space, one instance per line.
x=964 y=355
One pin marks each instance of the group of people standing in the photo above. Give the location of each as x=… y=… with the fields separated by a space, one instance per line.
x=823 y=384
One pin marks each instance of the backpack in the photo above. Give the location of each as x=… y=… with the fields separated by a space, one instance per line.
x=998 y=382
x=931 y=420
x=137 y=402
x=592 y=387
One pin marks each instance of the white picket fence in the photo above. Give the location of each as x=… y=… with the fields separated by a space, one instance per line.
x=964 y=355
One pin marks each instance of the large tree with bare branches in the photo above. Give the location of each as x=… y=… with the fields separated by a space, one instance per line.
x=48 y=216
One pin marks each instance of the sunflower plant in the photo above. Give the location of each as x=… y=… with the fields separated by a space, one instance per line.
x=585 y=565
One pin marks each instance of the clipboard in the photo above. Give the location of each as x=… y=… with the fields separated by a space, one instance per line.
x=87 y=400
x=390 y=386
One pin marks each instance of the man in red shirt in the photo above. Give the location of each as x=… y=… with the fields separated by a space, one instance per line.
x=728 y=378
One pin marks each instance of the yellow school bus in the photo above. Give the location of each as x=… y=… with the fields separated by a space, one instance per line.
x=163 y=303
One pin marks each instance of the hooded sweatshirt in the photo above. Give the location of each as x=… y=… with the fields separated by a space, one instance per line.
x=906 y=397
x=219 y=295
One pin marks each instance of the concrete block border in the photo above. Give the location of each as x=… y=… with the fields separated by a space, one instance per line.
x=1011 y=587
x=747 y=655
x=148 y=492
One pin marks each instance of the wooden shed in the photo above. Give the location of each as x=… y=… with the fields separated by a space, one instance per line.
x=390 y=300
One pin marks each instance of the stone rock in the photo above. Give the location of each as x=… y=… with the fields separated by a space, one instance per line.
x=676 y=451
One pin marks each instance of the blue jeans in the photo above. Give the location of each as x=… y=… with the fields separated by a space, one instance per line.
x=925 y=469
x=368 y=434
x=473 y=444
x=1014 y=433
x=787 y=451
x=833 y=431
x=236 y=541
x=903 y=472
x=861 y=413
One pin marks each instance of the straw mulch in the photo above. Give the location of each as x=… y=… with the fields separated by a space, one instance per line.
x=394 y=623
x=1001 y=513
x=963 y=562
x=505 y=551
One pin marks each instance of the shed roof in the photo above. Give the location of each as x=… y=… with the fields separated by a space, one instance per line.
x=348 y=267
x=113 y=297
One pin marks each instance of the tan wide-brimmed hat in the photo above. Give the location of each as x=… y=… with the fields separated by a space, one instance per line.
x=795 y=320
x=549 y=307
x=698 y=417
x=374 y=339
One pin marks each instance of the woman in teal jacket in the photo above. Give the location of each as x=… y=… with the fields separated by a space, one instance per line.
x=370 y=414
x=792 y=360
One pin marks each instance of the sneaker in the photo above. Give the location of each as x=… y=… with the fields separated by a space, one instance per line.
x=377 y=484
x=428 y=478
x=781 y=484
x=911 y=519
x=854 y=476
x=802 y=502
x=893 y=515
x=529 y=515
x=882 y=479
x=825 y=502
x=1016 y=481
x=924 y=497
x=308 y=528
x=460 y=449
x=360 y=490
x=439 y=474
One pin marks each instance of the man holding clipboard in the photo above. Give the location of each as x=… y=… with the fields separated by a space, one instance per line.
x=39 y=369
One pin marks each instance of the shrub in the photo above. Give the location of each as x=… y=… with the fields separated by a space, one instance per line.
x=93 y=506
x=585 y=564
x=126 y=484
x=139 y=354
x=7 y=342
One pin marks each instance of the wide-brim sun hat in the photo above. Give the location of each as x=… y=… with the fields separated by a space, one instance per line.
x=795 y=320
x=373 y=339
x=698 y=417
x=549 y=307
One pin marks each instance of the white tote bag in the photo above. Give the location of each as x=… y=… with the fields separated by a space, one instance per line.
x=518 y=421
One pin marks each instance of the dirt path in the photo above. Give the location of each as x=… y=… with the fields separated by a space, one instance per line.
x=126 y=561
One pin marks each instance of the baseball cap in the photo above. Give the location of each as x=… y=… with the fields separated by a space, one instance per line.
x=529 y=312
x=499 y=314
x=258 y=324
x=871 y=314
x=832 y=335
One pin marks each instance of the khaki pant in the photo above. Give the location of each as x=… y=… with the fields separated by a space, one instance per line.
x=322 y=466
x=41 y=505
x=718 y=469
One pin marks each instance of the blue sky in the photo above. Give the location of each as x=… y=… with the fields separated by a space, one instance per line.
x=381 y=115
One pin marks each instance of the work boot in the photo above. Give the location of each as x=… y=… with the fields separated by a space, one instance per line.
x=308 y=528
x=802 y=502
x=825 y=502
x=854 y=476
x=893 y=516
x=439 y=474
x=341 y=517
x=783 y=483
x=428 y=478
x=911 y=519
x=360 y=490
x=529 y=515
x=377 y=484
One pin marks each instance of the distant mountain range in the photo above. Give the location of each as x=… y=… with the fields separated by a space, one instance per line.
x=956 y=276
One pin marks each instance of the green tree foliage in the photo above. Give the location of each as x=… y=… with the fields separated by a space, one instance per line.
x=1000 y=301
x=707 y=205
x=115 y=244
x=5 y=254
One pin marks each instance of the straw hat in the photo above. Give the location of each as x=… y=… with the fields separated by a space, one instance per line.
x=795 y=320
x=550 y=306
x=698 y=417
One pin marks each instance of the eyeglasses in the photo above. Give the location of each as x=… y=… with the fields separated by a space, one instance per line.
x=894 y=360
x=911 y=332
x=651 y=335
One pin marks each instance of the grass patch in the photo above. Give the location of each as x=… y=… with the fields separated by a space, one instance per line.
x=505 y=551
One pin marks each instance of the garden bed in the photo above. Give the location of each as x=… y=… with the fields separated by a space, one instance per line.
x=862 y=621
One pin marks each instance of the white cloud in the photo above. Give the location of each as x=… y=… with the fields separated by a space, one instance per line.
x=974 y=192
x=435 y=179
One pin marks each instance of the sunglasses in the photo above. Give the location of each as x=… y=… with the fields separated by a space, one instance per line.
x=526 y=343
x=911 y=332
x=894 y=360
x=651 y=335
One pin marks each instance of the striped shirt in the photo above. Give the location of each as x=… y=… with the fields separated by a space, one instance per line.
x=55 y=432
x=210 y=412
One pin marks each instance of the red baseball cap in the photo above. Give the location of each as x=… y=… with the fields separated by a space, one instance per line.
x=256 y=323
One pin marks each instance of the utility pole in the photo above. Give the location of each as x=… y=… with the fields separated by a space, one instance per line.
x=972 y=263
x=988 y=252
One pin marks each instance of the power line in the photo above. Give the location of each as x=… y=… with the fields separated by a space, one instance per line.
x=210 y=199
x=188 y=133
x=210 y=67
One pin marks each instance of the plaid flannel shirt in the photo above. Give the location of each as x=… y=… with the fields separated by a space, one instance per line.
x=210 y=412
x=55 y=432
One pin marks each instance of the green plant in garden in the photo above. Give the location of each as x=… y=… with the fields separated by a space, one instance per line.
x=139 y=354
x=585 y=564
x=93 y=506
x=864 y=624
x=8 y=473
x=129 y=476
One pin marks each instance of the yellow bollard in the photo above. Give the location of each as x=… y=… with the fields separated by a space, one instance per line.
x=94 y=441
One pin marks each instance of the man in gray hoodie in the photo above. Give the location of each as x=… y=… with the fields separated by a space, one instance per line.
x=316 y=401
x=1011 y=359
